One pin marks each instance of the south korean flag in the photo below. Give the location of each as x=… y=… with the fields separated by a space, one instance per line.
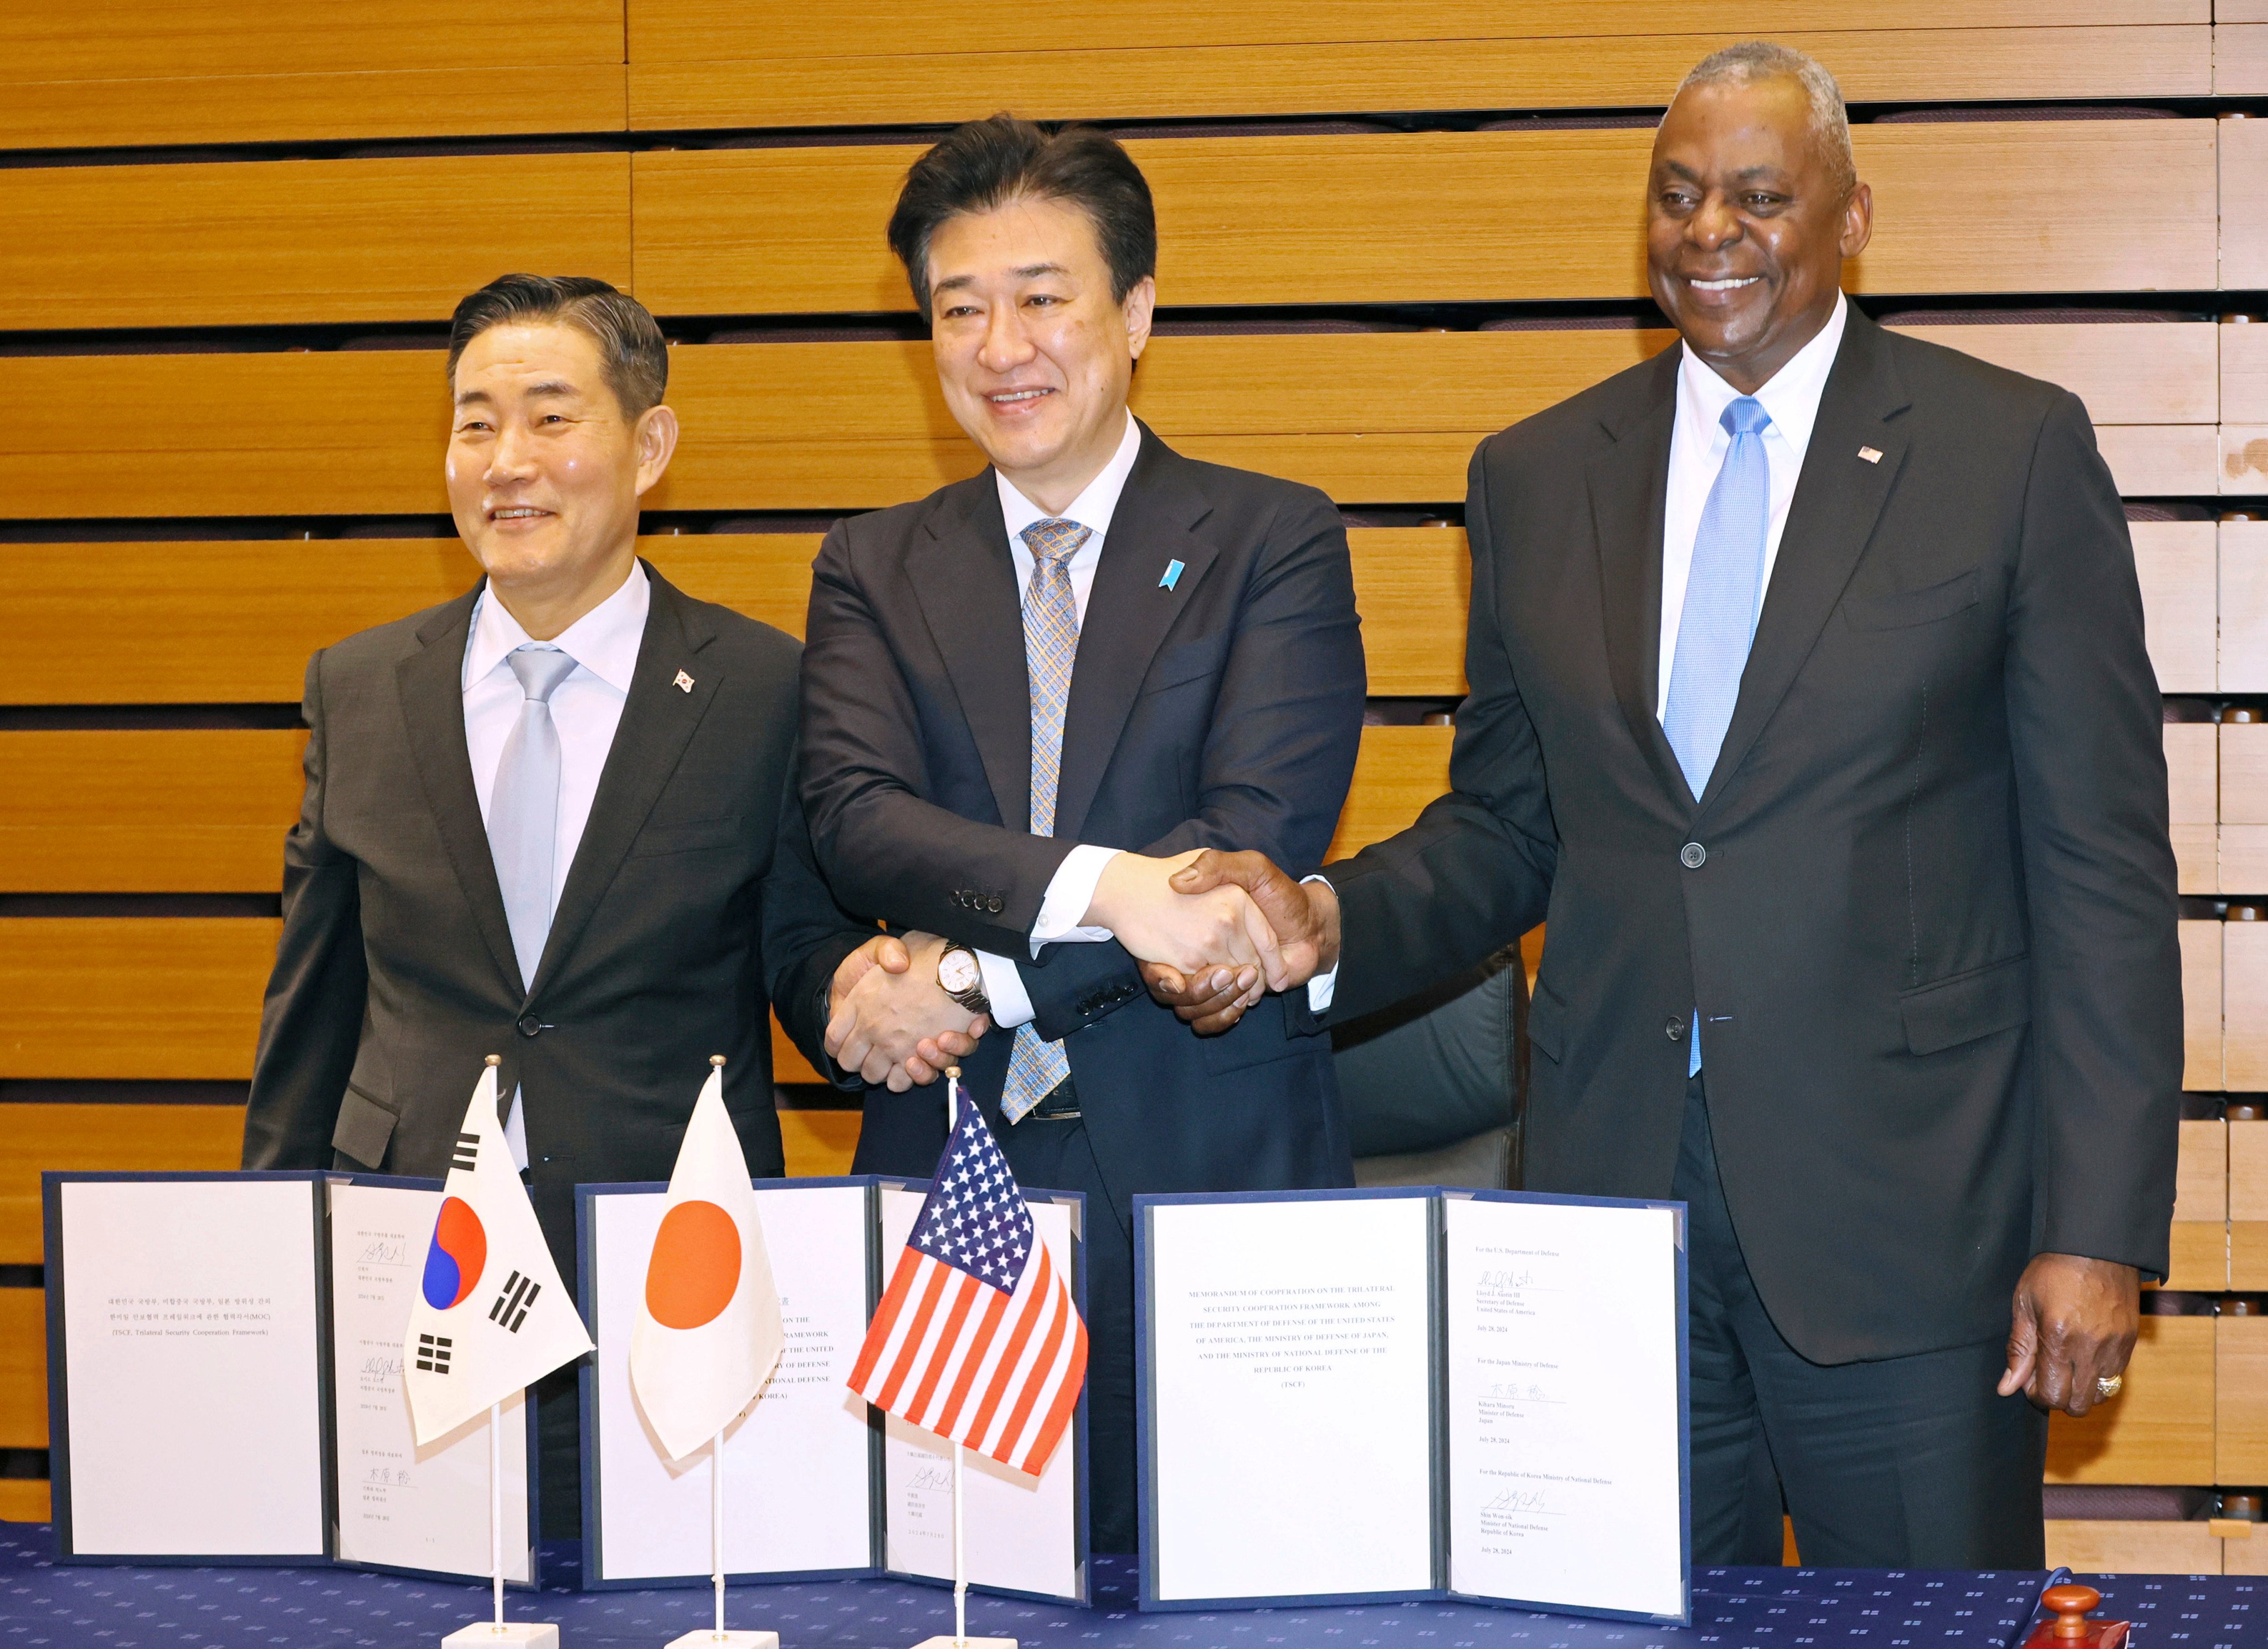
x=491 y=1316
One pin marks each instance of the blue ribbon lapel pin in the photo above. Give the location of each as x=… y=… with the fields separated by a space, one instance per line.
x=1173 y=575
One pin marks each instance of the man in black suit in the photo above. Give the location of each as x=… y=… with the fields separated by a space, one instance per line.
x=1029 y=696
x=553 y=819
x=1810 y=705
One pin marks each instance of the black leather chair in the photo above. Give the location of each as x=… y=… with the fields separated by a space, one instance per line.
x=1434 y=1088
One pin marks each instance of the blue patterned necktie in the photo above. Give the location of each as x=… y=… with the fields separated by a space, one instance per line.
x=1718 y=619
x=1036 y=1068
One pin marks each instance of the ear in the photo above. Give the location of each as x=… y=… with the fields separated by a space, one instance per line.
x=655 y=438
x=1140 y=306
x=1858 y=220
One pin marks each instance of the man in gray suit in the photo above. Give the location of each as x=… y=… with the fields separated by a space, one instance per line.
x=555 y=819
x=1809 y=704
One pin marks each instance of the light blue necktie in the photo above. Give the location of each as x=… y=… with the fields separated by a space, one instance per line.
x=524 y=806
x=1718 y=619
x=1036 y=1067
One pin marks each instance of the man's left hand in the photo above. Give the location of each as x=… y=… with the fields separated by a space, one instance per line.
x=890 y=1021
x=2074 y=1322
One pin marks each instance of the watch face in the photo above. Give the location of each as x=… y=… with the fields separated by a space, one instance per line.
x=957 y=971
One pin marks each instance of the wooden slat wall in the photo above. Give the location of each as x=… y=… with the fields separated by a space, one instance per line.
x=1375 y=417
x=1451 y=216
x=240 y=271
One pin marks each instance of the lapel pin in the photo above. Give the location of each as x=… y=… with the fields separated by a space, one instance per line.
x=684 y=682
x=1872 y=455
x=1173 y=575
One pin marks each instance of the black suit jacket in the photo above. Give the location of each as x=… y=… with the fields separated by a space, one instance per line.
x=1932 y=937
x=1223 y=711
x=692 y=904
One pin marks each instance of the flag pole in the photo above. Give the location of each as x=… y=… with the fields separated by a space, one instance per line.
x=496 y=1508
x=717 y=1523
x=960 y=1562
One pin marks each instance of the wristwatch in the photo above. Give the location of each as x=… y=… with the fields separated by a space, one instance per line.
x=959 y=977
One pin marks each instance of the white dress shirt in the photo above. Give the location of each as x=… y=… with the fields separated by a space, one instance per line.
x=585 y=709
x=1697 y=446
x=1071 y=889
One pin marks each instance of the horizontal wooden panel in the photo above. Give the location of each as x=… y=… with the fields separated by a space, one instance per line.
x=2202 y=1060
x=23 y=1500
x=2244 y=184
x=235 y=622
x=2244 y=1006
x=2198 y=1259
x=125 y=998
x=2201 y=1174
x=688 y=30
x=364 y=105
x=2244 y=368
x=283 y=242
x=818 y=1143
x=101 y=1138
x=2119 y=1546
x=128 y=40
x=2160 y=1429
x=1129 y=77
x=174 y=811
x=2242 y=1381
x=1370 y=417
x=2243 y=602
x=2243 y=459
x=2240 y=60
x=1398 y=771
x=2179 y=565
x=23 y=1368
x=1439 y=216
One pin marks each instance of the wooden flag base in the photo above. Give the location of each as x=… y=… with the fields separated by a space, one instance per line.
x=947 y=1641
x=726 y=1640
x=536 y=1634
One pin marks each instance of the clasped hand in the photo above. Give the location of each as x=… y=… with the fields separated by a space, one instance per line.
x=1214 y=931
x=890 y=1021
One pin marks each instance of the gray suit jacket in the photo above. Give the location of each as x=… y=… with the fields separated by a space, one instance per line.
x=1926 y=905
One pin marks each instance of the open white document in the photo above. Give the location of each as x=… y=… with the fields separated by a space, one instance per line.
x=1413 y=1393
x=228 y=1383
x=187 y=1388
x=402 y=1507
x=814 y=1487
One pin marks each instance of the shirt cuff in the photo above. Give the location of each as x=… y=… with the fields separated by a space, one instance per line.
x=1012 y=1004
x=1322 y=987
x=1070 y=892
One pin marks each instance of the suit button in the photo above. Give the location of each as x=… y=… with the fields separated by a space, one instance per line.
x=1693 y=855
x=529 y=1024
x=1674 y=1030
x=994 y=904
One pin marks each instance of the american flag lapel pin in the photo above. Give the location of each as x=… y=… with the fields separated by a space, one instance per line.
x=1872 y=455
x=684 y=682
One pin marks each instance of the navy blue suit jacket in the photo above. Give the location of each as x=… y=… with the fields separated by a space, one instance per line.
x=1223 y=711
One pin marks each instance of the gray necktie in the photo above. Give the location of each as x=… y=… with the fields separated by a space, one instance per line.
x=523 y=807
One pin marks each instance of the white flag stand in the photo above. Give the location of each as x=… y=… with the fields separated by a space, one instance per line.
x=719 y=1637
x=539 y=1634
x=960 y=1639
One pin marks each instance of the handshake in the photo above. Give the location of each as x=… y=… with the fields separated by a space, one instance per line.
x=1214 y=932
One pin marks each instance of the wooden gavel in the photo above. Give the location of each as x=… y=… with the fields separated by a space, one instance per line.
x=2071 y=1629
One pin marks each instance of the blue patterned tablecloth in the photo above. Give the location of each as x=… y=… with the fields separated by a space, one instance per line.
x=78 y=1606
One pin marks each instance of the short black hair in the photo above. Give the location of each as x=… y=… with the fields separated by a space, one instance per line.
x=987 y=164
x=631 y=349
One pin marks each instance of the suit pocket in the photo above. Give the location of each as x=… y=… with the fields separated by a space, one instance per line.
x=1261 y=1039
x=1547 y=1022
x=657 y=839
x=1191 y=662
x=365 y=1128
x=1968 y=1006
x=1904 y=609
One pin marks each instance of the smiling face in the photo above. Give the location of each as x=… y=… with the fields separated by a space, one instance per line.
x=1747 y=229
x=1034 y=354
x=545 y=470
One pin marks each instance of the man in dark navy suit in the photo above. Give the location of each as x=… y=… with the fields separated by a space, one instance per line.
x=1030 y=696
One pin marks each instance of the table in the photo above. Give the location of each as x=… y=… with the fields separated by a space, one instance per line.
x=45 y=1606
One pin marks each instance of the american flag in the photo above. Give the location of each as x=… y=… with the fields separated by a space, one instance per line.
x=976 y=1338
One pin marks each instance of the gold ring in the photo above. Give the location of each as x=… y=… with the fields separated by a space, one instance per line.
x=2107 y=1386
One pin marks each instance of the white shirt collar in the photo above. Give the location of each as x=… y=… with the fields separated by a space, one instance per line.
x=605 y=641
x=1094 y=507
x=1792 y=395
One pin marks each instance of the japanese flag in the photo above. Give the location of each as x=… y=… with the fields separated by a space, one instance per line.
x=707 y=1328
x=491 y=1316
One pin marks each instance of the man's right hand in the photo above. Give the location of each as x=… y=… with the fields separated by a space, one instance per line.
x=890 y=1021
x=1149 y=910
x=1304 y=916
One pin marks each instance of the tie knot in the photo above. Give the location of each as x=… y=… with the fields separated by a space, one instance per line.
x=1745 y=417
x=539 y=669
x=1055 y=542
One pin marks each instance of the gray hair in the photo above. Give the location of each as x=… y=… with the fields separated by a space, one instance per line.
x=1752 y=61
